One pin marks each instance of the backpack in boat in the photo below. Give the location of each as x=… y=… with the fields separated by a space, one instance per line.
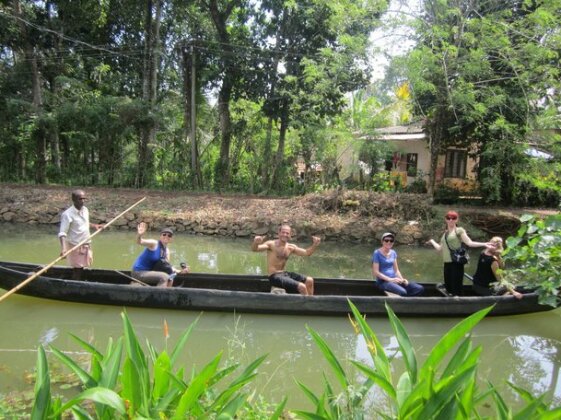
x=458 y=256
x=163 y=264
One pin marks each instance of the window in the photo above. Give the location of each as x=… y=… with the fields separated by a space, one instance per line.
x=455 y=166
x=412 y=164
x=388 y=162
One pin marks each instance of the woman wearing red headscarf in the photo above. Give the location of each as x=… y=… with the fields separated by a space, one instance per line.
x=452 y=239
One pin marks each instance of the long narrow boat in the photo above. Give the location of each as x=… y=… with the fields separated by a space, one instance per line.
x=252 y=294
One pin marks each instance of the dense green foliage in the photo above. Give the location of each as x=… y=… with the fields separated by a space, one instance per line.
x=129 y=382
x=482 y=74
x=101 y=93
x=444 y=386
x=147 y=384
x=535 y=254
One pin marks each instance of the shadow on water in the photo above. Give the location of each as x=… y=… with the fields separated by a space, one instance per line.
x=525 y=350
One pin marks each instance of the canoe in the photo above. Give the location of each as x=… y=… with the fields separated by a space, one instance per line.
x=251 y=294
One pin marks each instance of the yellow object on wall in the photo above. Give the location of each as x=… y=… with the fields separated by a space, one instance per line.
x=401 y=175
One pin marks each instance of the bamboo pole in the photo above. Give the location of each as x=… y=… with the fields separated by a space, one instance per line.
x=131 y=278
x=45 y=268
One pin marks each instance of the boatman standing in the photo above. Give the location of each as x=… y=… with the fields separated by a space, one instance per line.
x=75 y=228
x=278 y=251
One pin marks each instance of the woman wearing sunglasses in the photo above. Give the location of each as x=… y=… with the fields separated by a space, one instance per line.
x=386 y=271
x=452 y=239
x=152 y=266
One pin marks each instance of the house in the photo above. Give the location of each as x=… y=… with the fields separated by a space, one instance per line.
x=410 y=158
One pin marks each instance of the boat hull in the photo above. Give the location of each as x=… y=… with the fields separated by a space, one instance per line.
x=250 y=294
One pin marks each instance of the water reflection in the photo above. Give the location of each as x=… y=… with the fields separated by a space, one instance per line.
x=522 y=349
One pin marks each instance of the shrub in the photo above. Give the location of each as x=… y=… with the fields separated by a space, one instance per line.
x=445 y=386
x=526 y=193
x=128 y=383
x=145 y=385
x=444 y=194
x=418 y=186
x=535 y=251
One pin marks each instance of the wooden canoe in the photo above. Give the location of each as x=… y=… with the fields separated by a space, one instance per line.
x=251 y=294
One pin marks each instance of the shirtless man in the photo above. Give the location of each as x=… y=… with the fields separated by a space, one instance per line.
x=278 y=251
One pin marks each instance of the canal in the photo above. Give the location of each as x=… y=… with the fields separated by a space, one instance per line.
x=525 y=350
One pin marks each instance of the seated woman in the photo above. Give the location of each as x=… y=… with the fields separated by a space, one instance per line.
x=386 y=270
x=152 y=266
x=487 y=272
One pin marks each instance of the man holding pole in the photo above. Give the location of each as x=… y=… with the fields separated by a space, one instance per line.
x=75 y=229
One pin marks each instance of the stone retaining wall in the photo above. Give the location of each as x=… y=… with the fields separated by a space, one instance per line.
x=340 y=216
x=350 y=230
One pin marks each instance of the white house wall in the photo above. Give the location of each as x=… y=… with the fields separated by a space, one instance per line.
x=414 y=146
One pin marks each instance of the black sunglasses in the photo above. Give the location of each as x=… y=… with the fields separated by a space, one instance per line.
x=388 y=240
x=451 y=218
x=167 y=234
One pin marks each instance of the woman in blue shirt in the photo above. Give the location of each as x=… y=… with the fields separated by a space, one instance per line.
x=152 y=265
x=386 y=270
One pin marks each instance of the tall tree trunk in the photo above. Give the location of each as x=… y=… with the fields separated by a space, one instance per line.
x=30 y=54
x=149 y=86
x=279 y=157
x=272 y=110
x=189 y=112
x=54 y=139
x=435 y=142
x=40 y=132
x=267 y=151
x=273 y=105
x=220 y=19
x=225 y=133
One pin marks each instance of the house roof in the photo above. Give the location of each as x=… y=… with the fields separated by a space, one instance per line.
x=412 y=131
x=418 y=136
x=414 y=128
x=536 y=153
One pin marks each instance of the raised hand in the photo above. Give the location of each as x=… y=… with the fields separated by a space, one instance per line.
x=141 y=228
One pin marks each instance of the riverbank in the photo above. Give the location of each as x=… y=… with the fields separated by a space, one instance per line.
x=346 y=216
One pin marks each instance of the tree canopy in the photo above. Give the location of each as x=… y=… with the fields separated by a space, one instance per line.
x=481 y=74
x=228 y=94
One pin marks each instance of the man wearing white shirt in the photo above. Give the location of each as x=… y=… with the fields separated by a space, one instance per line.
x=74 y=229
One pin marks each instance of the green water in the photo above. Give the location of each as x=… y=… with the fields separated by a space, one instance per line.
x=118 y=249
x=525 y=350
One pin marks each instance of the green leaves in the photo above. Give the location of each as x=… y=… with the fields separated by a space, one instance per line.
x=99 y=395
x=534 y=257
x=445 y=386
x=42 y=402
x=145 y=386
x=477 y=75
